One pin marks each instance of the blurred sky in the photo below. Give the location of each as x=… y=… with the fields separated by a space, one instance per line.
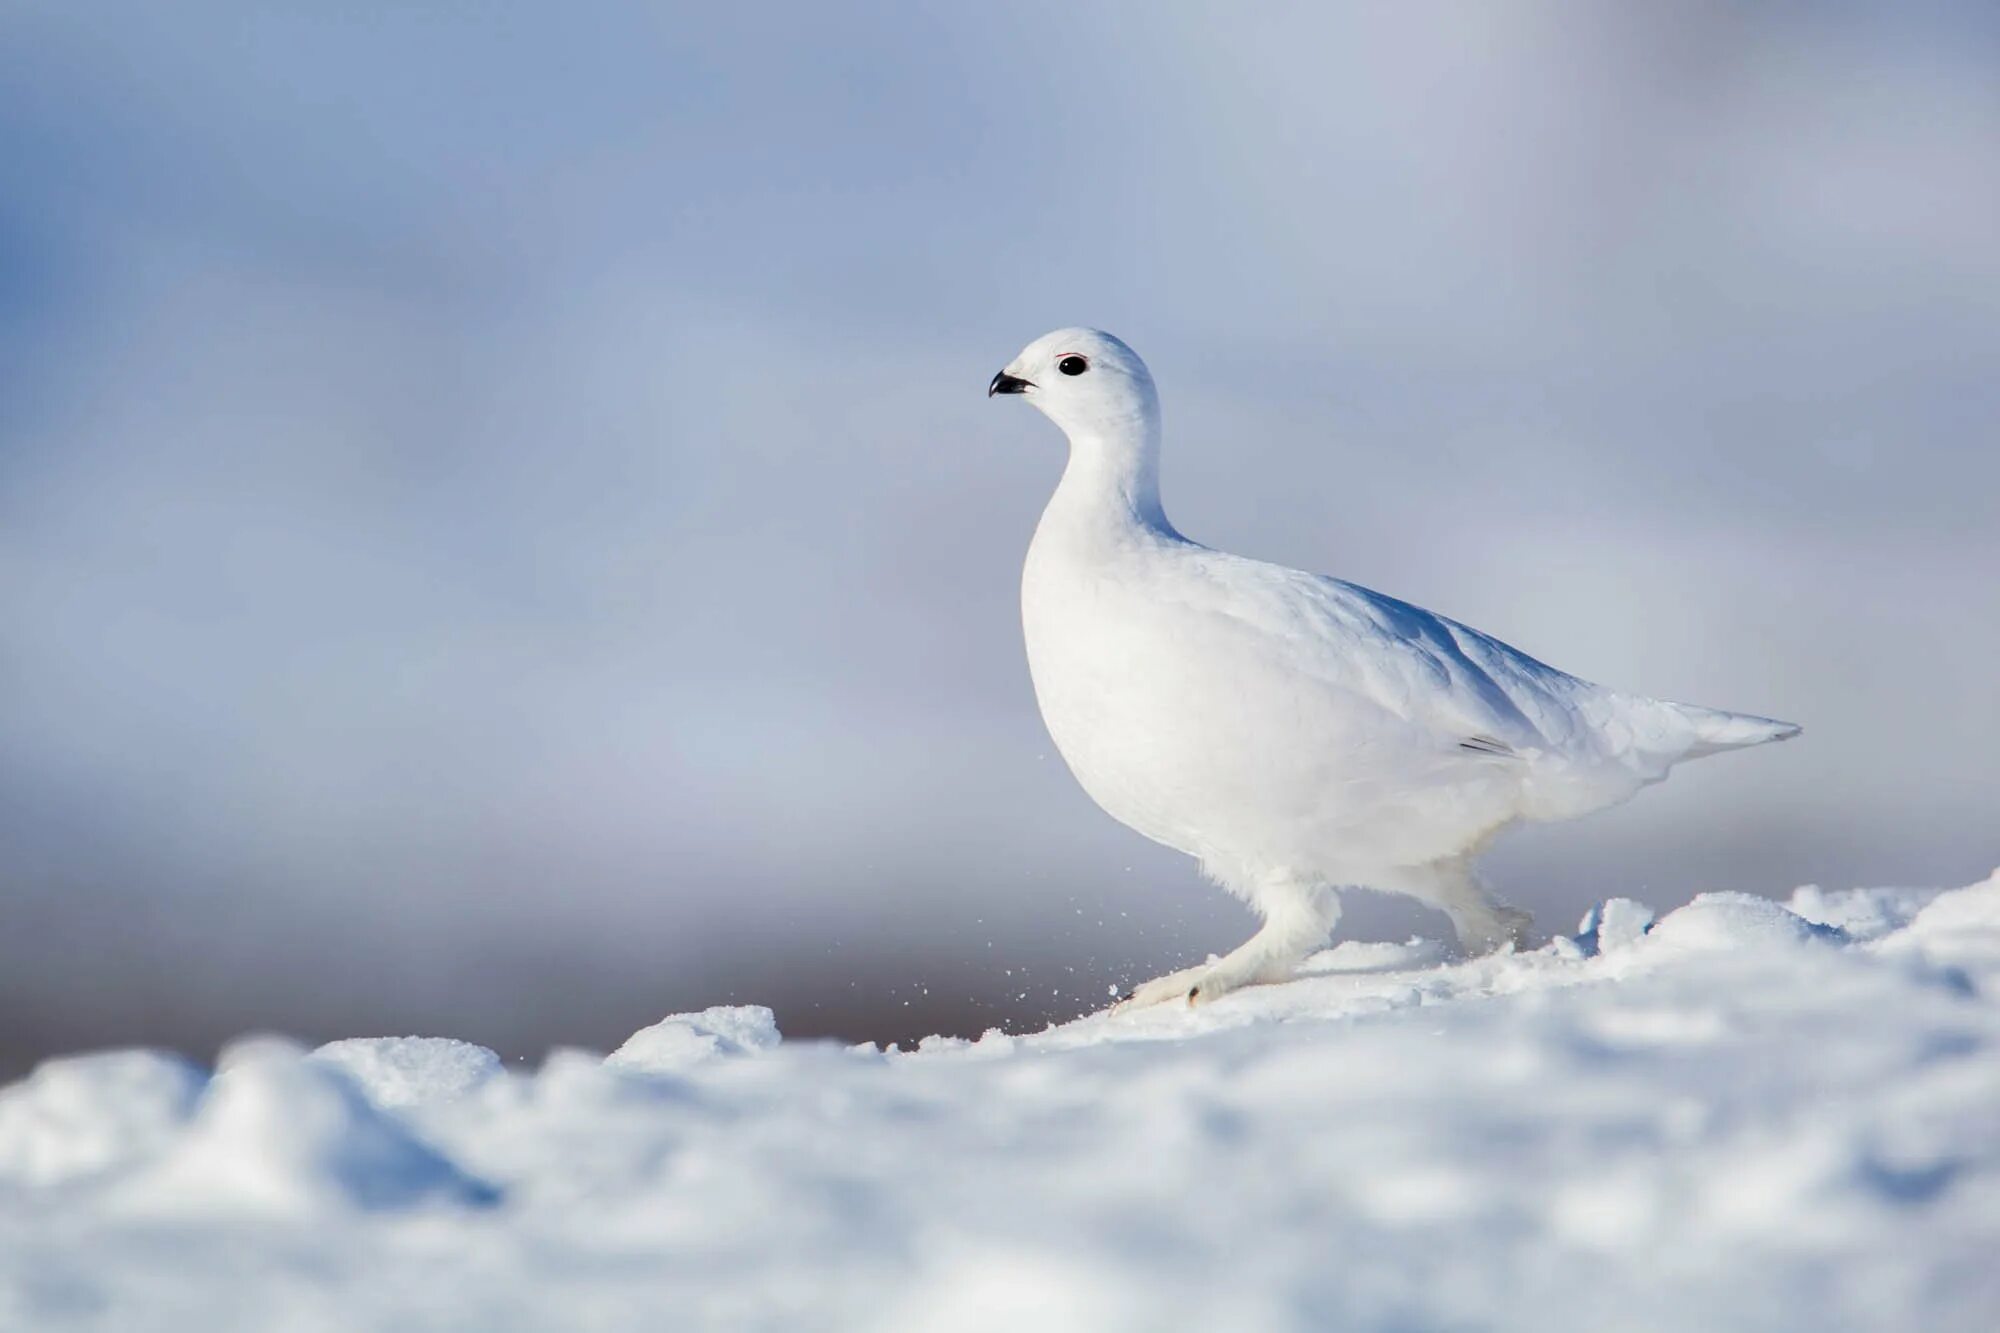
x=501 y=531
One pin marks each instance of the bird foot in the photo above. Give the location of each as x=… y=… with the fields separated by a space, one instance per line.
x=1184 y=986
x=1196 y=986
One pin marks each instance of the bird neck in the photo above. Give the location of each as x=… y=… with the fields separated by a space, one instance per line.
x=1114 y=475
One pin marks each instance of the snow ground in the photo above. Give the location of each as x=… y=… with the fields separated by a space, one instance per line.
x=1744 y=1117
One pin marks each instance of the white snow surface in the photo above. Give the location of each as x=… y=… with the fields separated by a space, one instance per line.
x=1745 y=1115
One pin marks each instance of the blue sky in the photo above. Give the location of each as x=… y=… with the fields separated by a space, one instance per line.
x=501 y=532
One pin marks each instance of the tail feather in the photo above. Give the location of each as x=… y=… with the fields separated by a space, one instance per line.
x=1716 y=731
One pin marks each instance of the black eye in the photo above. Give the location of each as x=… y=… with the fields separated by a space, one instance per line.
x=1072 y=365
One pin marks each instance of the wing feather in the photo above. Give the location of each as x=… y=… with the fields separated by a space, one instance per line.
x=1467 y=688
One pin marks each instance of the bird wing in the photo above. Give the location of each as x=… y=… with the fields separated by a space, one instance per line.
x=1466 y=688
x=1574 y=746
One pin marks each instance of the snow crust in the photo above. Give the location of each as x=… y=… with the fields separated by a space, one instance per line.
x=1746 y=1115
x=410 y=1071
x=682 y=1041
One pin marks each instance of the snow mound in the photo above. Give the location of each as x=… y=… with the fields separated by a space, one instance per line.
x=1730 y=921
x=279 y=1132
x=1745 y=1117
x=91 y=1114
x=411 y=1071
x=1959 y=929
x=681 y=1041
x=1860 y=914
x=1967 y=919
x=1614 y=924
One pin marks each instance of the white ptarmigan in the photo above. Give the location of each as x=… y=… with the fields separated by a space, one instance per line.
x=1294 y=733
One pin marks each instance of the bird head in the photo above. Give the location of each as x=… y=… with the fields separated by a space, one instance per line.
x=1084 y=380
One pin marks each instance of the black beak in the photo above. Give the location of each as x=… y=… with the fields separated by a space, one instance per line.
x=1005 y=383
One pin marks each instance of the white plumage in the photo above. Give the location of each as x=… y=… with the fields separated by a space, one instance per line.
x=1295 y=733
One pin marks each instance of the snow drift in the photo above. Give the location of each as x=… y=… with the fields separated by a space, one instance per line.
x=1745 y=1115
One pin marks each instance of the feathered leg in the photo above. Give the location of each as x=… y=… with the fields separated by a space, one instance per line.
x=1298 y=917
x=1481 y=921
